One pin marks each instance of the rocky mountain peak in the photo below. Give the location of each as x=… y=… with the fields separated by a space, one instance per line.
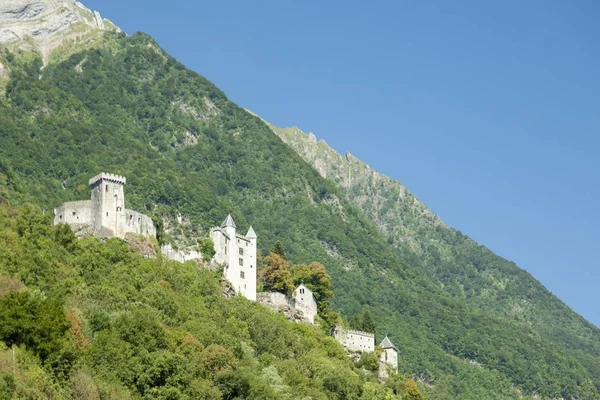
x=44 y=25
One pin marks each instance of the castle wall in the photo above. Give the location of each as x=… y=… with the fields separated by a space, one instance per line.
x=139 y=223
x=354 y=340
x=78 y=214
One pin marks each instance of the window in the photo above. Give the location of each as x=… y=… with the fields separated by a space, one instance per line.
x=106 y=189
x=107 y=214
x=251 y=266
x=242 y=275
x=241 y=261
x=60 y=217
x=241 y=251
x=301 y=291
x=74 y=213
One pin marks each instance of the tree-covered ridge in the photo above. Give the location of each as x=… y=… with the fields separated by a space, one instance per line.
x=191 y=155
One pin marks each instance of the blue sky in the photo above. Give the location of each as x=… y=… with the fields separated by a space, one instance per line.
x=489 y=112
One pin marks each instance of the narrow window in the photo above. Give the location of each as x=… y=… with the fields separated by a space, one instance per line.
x=107 y=214
x=106 y=189
x=241 y=261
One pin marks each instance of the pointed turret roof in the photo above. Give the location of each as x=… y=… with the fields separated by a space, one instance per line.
x=251 y=234
x=228 y=222
x=387 y=344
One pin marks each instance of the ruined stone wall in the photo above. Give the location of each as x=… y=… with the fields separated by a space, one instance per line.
x=181 y=255
x=139 y=223
x=78 y=214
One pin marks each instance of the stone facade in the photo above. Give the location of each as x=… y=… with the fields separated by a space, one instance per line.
x=237 y=254
x=355 y=341
x=105 y=214
x=305 y=302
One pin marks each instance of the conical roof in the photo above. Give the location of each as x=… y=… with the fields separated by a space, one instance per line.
x=387 y=344
x=251 y=234
x=228 y=222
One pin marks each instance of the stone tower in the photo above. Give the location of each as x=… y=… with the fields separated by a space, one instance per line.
x=108 y=201
x=237 y=253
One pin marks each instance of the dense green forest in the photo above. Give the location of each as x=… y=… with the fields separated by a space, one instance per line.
x=126 y=107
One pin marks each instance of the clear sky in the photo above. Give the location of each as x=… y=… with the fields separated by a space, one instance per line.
x=489 y=113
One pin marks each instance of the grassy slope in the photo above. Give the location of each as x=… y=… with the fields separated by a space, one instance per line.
x=132 y=110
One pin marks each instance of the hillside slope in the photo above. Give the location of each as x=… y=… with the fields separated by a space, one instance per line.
x=111 y=324
x=465 y=269
x=191 y=156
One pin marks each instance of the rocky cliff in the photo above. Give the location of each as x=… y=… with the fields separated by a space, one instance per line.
x=44 y=25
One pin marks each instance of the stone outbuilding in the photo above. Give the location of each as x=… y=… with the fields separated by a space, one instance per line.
x=388 y=358
x=305 y=301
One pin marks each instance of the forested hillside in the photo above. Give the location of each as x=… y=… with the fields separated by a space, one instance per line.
x=465 y=269
x=94 y=320
x=190 y=157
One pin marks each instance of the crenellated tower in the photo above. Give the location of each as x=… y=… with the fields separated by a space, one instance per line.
x=108 y=202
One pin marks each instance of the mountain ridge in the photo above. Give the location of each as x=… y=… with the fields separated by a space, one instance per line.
x=192 y=156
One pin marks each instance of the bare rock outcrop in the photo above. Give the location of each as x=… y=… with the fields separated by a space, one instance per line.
x=45 y=24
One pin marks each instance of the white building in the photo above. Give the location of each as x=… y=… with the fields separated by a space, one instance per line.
x=237 y=254
x=354 y=340
x=305 y=302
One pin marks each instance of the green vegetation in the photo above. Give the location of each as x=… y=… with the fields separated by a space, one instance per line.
x=186 y=150
x=104 y=322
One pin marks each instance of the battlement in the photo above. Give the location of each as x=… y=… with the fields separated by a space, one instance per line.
x=355 y=332
x=108 y=177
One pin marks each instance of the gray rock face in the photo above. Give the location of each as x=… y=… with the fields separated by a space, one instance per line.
x=46 y=22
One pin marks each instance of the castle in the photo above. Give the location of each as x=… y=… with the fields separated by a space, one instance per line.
x=105 y=214
x=237 y=254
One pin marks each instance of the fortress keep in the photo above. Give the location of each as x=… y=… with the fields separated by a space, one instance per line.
x=105 y=214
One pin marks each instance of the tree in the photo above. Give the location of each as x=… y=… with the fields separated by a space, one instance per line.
x=278 y=249
x=276 y=275
x=29 y=319
x=362 y=322
x=315 y=278
x=207 y=248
